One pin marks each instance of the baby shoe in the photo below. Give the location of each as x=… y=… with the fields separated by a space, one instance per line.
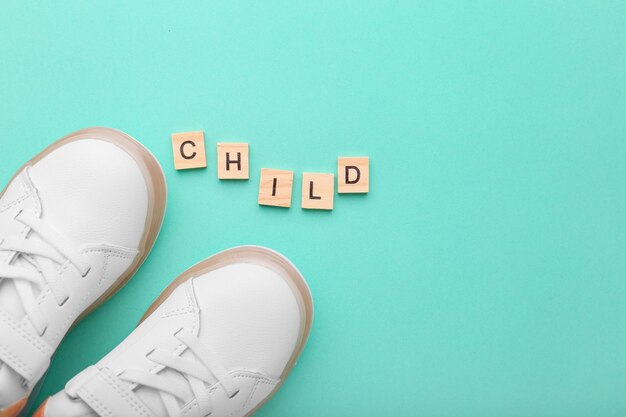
x=76 y=222
x=219 y=341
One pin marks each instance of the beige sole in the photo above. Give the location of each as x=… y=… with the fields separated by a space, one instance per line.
x=269 y=259
x=157 y=196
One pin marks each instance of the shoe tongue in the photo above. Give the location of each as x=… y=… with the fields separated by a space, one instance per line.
x=157 y=332
x=151 y=398
x=178 y=310
x=20 y=194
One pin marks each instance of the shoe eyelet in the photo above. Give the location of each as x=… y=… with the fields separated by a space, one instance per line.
x=18 y=214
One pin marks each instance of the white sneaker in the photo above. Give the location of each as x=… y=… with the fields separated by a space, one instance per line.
x=219 y=341
x=76 y=222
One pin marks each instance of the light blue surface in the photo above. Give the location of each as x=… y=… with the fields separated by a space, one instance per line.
x=485 y=272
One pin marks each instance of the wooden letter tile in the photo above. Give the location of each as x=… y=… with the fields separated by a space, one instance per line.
x=232 y=161
x=189 y=150
x=275 y=187
x=318 y=191
x=353 y=175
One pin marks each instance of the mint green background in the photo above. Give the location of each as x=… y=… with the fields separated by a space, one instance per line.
x=485 y=272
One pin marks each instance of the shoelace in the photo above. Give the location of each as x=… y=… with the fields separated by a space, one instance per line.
x=200 y=373
x=44 y=257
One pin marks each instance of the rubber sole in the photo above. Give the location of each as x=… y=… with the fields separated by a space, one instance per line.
x=157 y=200
x=272 y=260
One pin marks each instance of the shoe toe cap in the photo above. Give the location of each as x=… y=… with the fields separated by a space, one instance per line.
x=93 y=191
x=250 y=315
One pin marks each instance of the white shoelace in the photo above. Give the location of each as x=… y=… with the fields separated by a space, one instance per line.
x=40 y=266
x=200 y=374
